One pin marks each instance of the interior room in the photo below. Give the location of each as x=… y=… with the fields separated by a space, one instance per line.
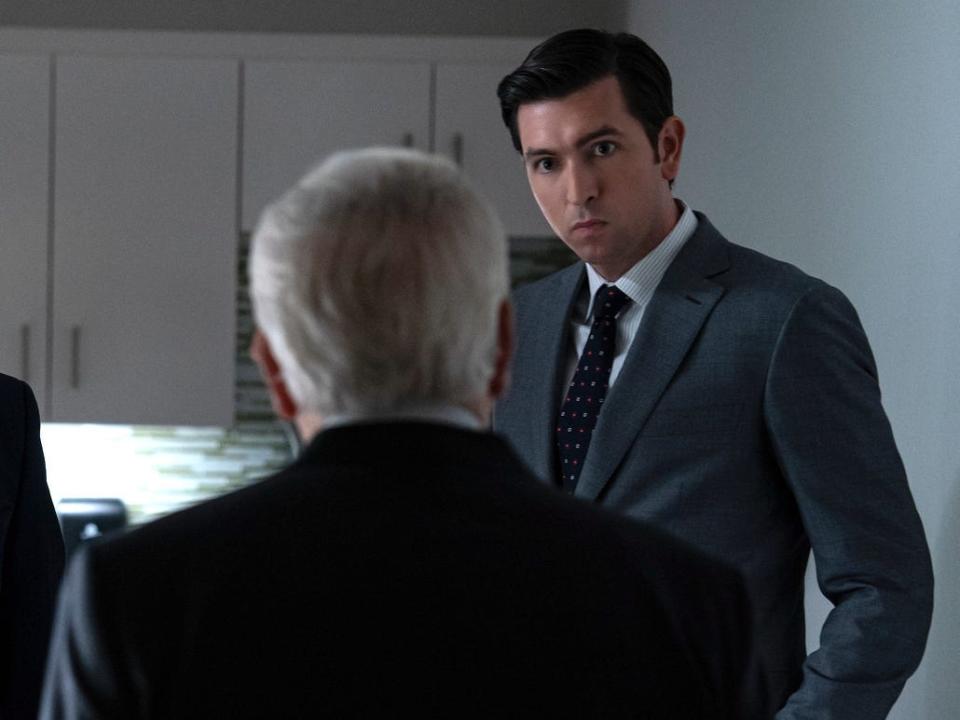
x=821 y=133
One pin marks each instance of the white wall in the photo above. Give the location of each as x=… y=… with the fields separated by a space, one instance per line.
x=409 y=17
x=828 y=134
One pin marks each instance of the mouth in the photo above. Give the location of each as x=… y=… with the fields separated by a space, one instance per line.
x=591 y=224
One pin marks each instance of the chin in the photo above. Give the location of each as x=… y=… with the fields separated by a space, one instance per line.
x=586 y=251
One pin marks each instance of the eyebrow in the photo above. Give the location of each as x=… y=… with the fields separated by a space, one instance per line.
x=606 y=130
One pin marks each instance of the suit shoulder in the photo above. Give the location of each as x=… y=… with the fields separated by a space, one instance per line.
x=556 y=289
x=545 y=286
x=200 y=533
x=13 y=391
x=643 y=549
x=19 y=417
x=759 y=284
x=770 y=272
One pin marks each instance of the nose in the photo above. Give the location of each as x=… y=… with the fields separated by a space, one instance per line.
x=582 y=184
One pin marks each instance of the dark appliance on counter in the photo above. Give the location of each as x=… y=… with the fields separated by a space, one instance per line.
x=82 y=519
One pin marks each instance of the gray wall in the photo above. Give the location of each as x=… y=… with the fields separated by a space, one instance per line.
x=407 y=17
x=826 y=133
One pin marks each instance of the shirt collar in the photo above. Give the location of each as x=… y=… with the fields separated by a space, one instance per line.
x=639 y=282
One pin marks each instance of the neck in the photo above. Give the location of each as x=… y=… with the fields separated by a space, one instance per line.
x=482 y=409
x=308 y=425
x=669 y=217
x=475 y=415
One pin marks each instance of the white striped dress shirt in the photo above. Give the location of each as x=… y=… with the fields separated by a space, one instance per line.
x=639 y=284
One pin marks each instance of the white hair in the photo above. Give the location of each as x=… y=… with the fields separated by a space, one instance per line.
x=377 y=281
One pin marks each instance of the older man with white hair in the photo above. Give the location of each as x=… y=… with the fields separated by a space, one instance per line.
x=405 y=563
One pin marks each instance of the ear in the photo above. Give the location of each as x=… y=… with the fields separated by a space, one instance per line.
x=505 y=339
x=670 y=147
x=283 y=403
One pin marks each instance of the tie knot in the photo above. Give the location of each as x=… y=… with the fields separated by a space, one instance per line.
x=608 y=302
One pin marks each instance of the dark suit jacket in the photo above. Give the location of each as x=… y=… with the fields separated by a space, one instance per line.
x=747 y=421
x=397 y=569
x=31 y=553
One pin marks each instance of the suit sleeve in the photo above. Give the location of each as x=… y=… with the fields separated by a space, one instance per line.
x=32 y=558
x=89 y=675
x=837 y=453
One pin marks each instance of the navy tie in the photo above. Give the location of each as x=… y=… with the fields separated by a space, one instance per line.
x=588 y=389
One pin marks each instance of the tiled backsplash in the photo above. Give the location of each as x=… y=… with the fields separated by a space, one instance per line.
x=156 y=470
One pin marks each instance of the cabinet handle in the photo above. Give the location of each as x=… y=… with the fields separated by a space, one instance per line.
x=408 y=140
x=25 y=353
x=75 y=357
x=458 y=149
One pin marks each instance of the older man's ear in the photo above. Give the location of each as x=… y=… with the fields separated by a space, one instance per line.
x=283 y=403
x=505 y=346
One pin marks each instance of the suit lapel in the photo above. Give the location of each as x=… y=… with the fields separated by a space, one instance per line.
x=679 y=307
x=551 y=340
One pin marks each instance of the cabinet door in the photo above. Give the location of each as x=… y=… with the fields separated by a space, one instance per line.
x=296 y=113
x=145 y=240
x=24 y=171
x=469 y=129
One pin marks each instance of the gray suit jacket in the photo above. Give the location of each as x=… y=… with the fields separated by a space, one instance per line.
x=747 y=421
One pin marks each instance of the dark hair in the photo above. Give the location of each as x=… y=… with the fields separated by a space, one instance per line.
x=571 y=60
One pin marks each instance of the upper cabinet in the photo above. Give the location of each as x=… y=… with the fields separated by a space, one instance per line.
x=297 y=113
x=130 y=162
x=144 y=266
x=470 y=130
x=24 y=183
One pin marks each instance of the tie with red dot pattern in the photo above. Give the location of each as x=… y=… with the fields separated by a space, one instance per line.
x=588 y=389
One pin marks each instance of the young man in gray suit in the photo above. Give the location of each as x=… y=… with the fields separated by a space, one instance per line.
x=721 y=395
x=406 y=564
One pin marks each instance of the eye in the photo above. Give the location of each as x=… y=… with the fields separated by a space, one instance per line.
x=544 y=165
x=604 y=148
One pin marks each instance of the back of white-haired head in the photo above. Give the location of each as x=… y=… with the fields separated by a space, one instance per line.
x=377 y=281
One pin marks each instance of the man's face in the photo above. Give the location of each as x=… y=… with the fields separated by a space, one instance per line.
x=594 y=174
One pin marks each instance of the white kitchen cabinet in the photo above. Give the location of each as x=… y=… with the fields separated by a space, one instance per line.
x=469 y=129
x=298 y=112
x=129 y=162
x=24 y=175
x=145 y=231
